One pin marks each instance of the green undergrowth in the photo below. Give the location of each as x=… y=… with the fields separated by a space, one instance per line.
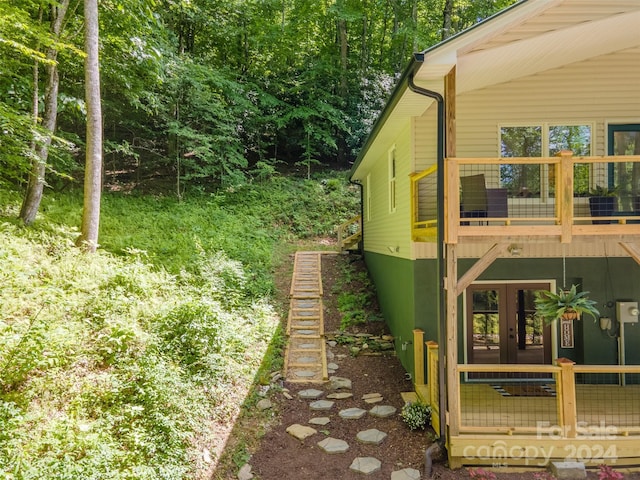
x=354 y=302
x=117 y=365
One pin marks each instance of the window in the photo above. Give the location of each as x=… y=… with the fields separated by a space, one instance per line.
x=544 y=140
x=392 y=179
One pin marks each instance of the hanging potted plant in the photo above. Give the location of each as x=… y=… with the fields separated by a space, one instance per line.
x=569 y=304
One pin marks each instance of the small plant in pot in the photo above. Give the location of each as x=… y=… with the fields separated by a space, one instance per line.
x=569 y=304
x=602 y=203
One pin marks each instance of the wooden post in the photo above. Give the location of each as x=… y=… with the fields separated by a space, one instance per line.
x=453 y=392
x=567 y=397
x=434 y=381
x=418 y=356
x=451 y=200
x=450 y=111
x=565 y=189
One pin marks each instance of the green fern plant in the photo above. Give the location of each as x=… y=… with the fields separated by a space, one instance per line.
x=566 y=303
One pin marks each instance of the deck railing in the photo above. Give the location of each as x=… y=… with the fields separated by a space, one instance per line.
x=563 y=400
x=538 y=196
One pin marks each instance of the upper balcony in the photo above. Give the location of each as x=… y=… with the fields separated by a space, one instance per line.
x=540 y=198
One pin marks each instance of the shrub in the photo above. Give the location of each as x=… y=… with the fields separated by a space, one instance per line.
x=416 y=415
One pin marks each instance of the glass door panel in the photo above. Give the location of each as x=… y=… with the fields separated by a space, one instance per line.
x=502 y=326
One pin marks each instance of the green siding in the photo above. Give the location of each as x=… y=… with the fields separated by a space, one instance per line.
x=407 y=293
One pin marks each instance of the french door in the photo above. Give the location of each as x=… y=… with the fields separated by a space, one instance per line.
x=502 y=326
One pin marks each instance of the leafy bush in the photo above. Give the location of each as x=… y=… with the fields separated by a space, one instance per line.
x=416 y=415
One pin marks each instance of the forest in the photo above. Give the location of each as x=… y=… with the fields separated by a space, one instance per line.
x=203 y=93
x=224 y=131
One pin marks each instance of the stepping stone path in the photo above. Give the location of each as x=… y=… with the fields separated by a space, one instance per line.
x=310 y=393
x=333 y=445
x=352 y=413
x=321 y=405
x=372 y=398
x=365 y=465
x=373 y=436
x=340 y=383
x=382 y=411
x=301 y=431
x=406 y=474
x=306 y=362
x=319 y=421
x=340 y=395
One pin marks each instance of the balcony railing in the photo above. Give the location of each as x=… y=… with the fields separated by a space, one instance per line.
x=529 y=197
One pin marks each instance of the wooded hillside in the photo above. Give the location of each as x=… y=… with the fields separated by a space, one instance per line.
x=207 y=92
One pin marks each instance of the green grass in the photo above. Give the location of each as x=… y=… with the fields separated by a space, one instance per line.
x=114 y=365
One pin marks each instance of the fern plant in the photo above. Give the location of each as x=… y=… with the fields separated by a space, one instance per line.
x=564 y=304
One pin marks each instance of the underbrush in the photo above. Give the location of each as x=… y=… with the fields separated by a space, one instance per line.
x=115 y=365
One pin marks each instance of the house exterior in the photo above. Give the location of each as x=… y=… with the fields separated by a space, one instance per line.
x=475 y=189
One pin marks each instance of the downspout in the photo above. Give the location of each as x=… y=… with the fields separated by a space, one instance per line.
x=442 y=318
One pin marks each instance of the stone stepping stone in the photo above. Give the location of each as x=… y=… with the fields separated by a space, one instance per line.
x=321 y=405
x=352 y=413
x=372 y=398
x=307 y=346
x=373 y=436
x=306 y=359
x=366 y=465
x=264 y=404
x=305 y=373
x=300 y=431
x=340 y=395
x=310 y=393
x=319 y=421
x=306 y=332
x=332 y=343
x=406 y=474
x=382 y=411
x=333 y=445
x=333 y=366
x=370 y=395
x=340 y=383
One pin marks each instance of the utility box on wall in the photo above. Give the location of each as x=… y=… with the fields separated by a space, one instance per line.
x=627 y=312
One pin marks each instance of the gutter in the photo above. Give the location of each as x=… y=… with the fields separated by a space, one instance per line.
x=440 y=264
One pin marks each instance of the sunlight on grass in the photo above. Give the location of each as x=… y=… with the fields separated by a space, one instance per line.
x=135 y=362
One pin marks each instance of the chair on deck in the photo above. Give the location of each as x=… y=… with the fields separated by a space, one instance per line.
x=473 y=197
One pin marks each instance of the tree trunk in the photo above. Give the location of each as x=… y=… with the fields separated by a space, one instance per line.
x=446 y=19
x=35 y=185
x=344 y=85
x=93 y=169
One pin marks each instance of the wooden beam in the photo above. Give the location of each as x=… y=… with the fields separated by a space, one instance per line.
x=480 y=266
x=418 y=356
x=450 y=112
x=453 y=390
x=632 y=249
x=566 y=195
x=451 y=200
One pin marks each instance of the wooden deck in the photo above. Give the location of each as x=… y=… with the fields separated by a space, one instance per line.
x=557 y=214
x=529 y=415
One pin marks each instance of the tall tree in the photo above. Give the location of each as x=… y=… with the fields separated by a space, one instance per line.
x=93 y=166
x=35 y=186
